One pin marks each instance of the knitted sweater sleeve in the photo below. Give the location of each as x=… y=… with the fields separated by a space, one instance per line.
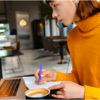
x=68 y=76
x=92 y=92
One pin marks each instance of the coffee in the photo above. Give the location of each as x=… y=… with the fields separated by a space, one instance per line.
x=37 y=92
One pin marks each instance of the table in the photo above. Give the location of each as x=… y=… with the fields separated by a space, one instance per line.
x=7 y=53
x=51 y=99
x=61 y=42
x=21 y=91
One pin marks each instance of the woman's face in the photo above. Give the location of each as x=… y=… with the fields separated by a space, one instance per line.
x=65 y=11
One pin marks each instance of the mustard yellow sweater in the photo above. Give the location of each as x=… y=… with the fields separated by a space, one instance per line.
x=84 y=47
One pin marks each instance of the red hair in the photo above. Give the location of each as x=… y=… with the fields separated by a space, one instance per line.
x=85 y=8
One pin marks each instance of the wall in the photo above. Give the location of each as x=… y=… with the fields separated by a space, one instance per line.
x=2 y=12
x=2 y=7
x=25 y=6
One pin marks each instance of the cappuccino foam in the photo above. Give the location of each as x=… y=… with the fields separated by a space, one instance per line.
x=38 y=92
x=37 y=95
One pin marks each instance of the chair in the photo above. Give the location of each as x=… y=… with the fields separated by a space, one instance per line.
x=57 y=45
x=8 y=47
x=18 y=45
x=18 y=60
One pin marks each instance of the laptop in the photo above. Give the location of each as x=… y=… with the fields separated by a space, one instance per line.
x=12 y=88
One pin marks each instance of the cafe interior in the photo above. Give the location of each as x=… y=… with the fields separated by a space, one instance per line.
x=22 y=28
x=29 y=36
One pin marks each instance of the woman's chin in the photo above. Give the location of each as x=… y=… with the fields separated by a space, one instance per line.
x=65 y=25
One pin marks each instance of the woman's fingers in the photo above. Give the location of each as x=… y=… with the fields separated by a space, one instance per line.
x=42 y=81
x=58 y=96
x=46 y=78
x=59 y=86
x=59 y=93
x=37 y=82
x=43 y=70
x=36 y=73
x=47 y=73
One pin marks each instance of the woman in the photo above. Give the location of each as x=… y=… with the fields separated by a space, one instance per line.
x=84 y=47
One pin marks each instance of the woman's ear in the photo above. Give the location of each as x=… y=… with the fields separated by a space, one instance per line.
x=75 y=2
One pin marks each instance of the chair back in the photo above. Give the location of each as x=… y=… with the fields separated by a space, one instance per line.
x=63 y=37
x=18 y=45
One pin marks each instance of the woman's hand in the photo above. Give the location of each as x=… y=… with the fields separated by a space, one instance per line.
x=68 y=89
x=47 y=75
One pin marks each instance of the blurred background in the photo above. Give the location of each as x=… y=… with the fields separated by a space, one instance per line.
x=31 y=23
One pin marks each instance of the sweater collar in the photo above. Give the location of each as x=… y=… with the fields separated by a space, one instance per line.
x=88 y=24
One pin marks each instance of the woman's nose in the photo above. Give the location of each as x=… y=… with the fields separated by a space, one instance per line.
x=54 y=14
